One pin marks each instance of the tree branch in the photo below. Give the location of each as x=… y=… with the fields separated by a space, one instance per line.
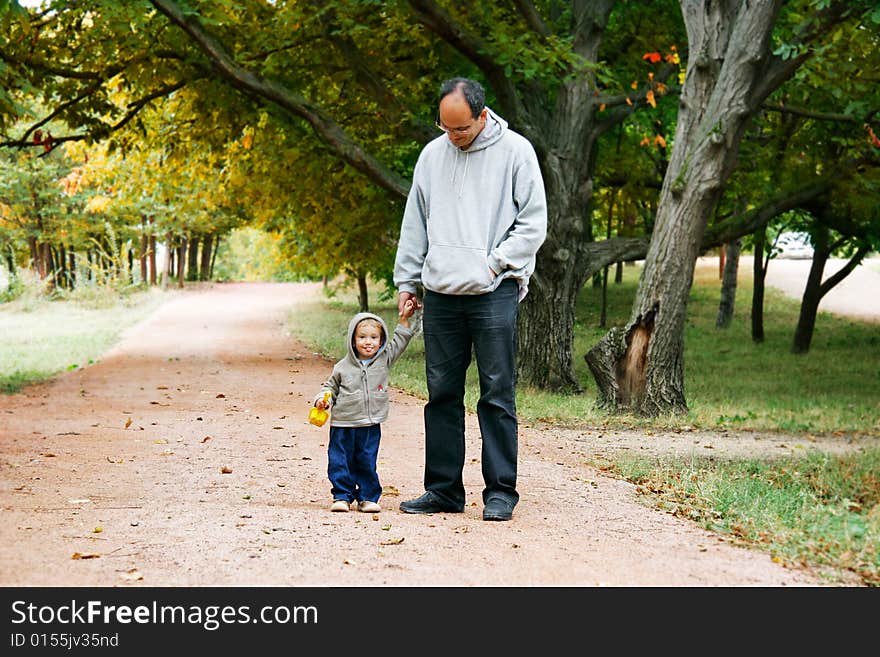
x=442 y=24
x=532 y=18
x=253 y=85
x=844 y=271
x=820 y=116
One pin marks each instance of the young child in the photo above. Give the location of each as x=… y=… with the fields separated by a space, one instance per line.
x=358 y=388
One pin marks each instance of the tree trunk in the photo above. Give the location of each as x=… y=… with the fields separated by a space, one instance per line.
x=363 y=300
x=618 y=273
x=62 y=267
x=205 y=269
x=10 y=263
x=192 y=258
x=214 y=258
x=729 y=42
x=35 y=255
x=46 y=272
x=815 y=289
x=759 y=272
x=181 y=262
x=728 y=284
x=72 y=269
x=152 y=259
x=144 y=249
x=166 y=268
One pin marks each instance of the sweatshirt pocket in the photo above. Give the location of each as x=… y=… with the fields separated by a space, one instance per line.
x=450 y=269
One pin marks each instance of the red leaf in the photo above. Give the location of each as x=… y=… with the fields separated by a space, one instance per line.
x=652 y=57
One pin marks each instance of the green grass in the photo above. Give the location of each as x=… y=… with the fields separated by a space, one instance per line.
x=817 y=509
x=42 y=337
x=730 y=382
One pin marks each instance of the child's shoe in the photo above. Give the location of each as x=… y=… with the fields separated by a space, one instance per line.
x=340 y=505
x=365 y=506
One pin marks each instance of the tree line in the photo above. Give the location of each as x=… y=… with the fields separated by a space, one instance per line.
x=663 y=129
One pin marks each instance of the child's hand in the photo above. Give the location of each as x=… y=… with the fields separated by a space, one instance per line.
x=320 y=403
x=408 y=309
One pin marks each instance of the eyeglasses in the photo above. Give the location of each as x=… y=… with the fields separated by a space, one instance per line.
x=455 y=131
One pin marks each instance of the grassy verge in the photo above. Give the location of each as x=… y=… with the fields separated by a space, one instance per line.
x=730 y=381
x=42 y=337
x=819 y=509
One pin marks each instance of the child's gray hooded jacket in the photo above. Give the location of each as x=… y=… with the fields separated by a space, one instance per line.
x=360 y=391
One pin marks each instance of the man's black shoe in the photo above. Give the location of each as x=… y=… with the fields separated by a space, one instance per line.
x=429 y=503
x=498 y=508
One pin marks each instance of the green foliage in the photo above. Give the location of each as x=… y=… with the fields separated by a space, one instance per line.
x=249 y=254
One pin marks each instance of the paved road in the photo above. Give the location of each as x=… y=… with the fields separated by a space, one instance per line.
x=858 y=295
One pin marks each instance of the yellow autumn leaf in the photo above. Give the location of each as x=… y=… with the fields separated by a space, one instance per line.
x=634 y=85
x=650 y=98
x=628 y=101
x=392 y=541
x=660 y=141
x=128 y=423
x=85 y=555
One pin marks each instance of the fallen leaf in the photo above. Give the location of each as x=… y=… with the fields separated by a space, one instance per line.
x=277 y=427
x=167 y=452
x=280 y=485
x=392 y=541
x=47 y=454
x=206 y=439
x=390 y=490
x=220 y=396
x=127 y=423
x=225 y=470
x=385 y=528
x=85 y=555
x=161 y=387
x=349 y=562
x=161 y=441
x=97 y=530
x=132 y=575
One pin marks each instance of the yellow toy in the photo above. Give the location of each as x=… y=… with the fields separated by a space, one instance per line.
x=318 y=416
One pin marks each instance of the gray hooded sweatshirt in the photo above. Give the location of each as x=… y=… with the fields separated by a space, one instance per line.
x=472 y=209
x=360 y=389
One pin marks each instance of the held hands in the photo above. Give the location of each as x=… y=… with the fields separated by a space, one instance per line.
x=407 y=304
x=409 y=307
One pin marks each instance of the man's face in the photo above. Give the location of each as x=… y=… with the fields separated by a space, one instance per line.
x=457 y=122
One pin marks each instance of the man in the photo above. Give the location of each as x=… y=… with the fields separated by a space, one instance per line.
x=474 y=219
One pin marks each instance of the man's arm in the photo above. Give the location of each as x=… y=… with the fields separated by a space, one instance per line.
x=530 y=226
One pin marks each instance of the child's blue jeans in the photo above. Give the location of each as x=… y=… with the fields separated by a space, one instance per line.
x=351 y=463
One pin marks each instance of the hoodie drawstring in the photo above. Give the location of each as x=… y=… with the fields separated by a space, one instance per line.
x=464 y=175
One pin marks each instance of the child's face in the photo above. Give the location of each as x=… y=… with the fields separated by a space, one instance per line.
x=367 y=340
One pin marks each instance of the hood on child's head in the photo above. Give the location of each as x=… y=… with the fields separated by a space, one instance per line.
x=352 y=325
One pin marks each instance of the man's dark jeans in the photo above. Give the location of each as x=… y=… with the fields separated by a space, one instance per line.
x=454 y=325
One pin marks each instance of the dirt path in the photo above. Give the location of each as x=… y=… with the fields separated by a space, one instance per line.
x=134 y=446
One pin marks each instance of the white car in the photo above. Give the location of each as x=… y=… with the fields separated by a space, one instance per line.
x=793 y=245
